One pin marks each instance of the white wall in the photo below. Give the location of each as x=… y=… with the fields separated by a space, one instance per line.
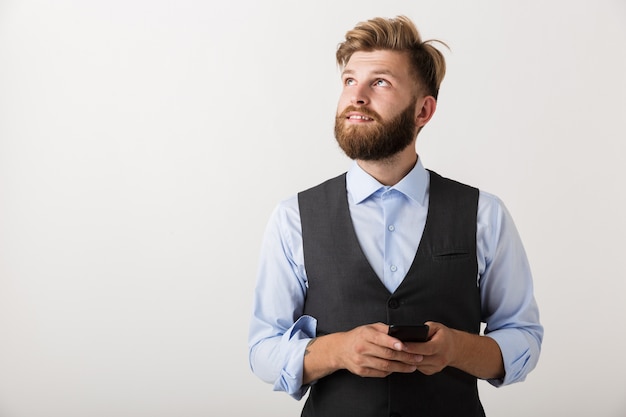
x=143 y=145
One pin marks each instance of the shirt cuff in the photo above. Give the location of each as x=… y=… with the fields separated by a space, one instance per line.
x=518 y=355
x=297 y=338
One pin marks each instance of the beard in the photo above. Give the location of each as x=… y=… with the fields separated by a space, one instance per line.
x=375 y=140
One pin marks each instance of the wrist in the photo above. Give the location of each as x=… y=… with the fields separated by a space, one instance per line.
x=477 y=355
x=320 y=358
x=458 y=347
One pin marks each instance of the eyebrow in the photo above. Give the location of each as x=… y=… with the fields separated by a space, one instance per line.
x=375 y=72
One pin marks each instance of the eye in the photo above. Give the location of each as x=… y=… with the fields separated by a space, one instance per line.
x=381 y=83
x=349 y=81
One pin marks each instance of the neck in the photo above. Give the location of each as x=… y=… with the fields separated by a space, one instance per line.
x=391 y=170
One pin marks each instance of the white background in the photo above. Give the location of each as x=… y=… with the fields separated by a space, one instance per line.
x=143 y=145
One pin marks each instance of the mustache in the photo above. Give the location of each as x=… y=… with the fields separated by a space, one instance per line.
x=365 y=111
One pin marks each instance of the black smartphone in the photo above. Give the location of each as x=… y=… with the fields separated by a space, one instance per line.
x=409 y=333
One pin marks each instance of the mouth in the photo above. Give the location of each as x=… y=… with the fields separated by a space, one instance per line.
x=358 y=117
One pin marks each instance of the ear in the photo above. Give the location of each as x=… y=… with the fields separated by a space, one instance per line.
x=424 y=110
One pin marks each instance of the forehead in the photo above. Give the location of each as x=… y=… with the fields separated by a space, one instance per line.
x=392 y=63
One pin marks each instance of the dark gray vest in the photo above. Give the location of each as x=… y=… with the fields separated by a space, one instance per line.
x=344 y=292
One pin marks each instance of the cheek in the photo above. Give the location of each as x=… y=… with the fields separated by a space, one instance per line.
x=343 y=101
x=341 y=105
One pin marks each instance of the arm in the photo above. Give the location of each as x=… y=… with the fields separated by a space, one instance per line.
x=512 y=343
x=278 y=331
x=507 y=295
x=477 y=355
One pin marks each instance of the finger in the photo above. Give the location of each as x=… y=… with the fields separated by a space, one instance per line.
x=382 y=338
x=401 y=356
x=433 y=327
x=430 y=366
x=391 y=366
x=380 y=327
x=388 y=347
x=420 y=348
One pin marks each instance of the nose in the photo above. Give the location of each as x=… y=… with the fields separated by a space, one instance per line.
x=359 y=96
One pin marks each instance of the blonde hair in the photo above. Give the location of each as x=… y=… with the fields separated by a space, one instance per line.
x=398 y=34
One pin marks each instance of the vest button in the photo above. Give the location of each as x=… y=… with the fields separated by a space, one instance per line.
x=393 y=303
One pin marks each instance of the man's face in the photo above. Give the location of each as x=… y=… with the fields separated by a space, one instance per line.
x=376 y=113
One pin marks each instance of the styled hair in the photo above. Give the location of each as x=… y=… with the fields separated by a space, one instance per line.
x=397 y=34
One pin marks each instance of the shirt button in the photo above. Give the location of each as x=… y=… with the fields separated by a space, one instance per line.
x=393 y=303
x=393 y=268
x=391 y=228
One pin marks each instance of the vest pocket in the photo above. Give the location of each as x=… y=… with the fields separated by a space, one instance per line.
x=451 y=255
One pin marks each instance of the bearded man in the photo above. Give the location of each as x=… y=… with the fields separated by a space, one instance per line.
x=390 y=242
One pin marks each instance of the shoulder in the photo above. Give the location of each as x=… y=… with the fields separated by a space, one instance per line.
x=493 y=218
x=489 y=201
x=491 y=206
x=287 y=213
x=325 y=186
x=445 y=183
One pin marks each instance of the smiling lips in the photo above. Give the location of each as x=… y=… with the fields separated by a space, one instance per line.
x=358 y=117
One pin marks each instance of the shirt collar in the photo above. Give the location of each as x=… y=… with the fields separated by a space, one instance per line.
x=361 y=185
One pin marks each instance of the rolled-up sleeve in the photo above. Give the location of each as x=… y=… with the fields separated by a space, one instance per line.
x=279 y=332
x=509 y=308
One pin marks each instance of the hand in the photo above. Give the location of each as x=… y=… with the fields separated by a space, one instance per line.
x=368 y=351
x=365 y=351
x=477 y=355
x=440 y=350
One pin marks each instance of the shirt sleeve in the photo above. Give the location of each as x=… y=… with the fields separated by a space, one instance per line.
x=508 y=305
x=279 y=332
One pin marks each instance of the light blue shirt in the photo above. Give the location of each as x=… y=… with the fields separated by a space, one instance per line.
x=385 y=220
